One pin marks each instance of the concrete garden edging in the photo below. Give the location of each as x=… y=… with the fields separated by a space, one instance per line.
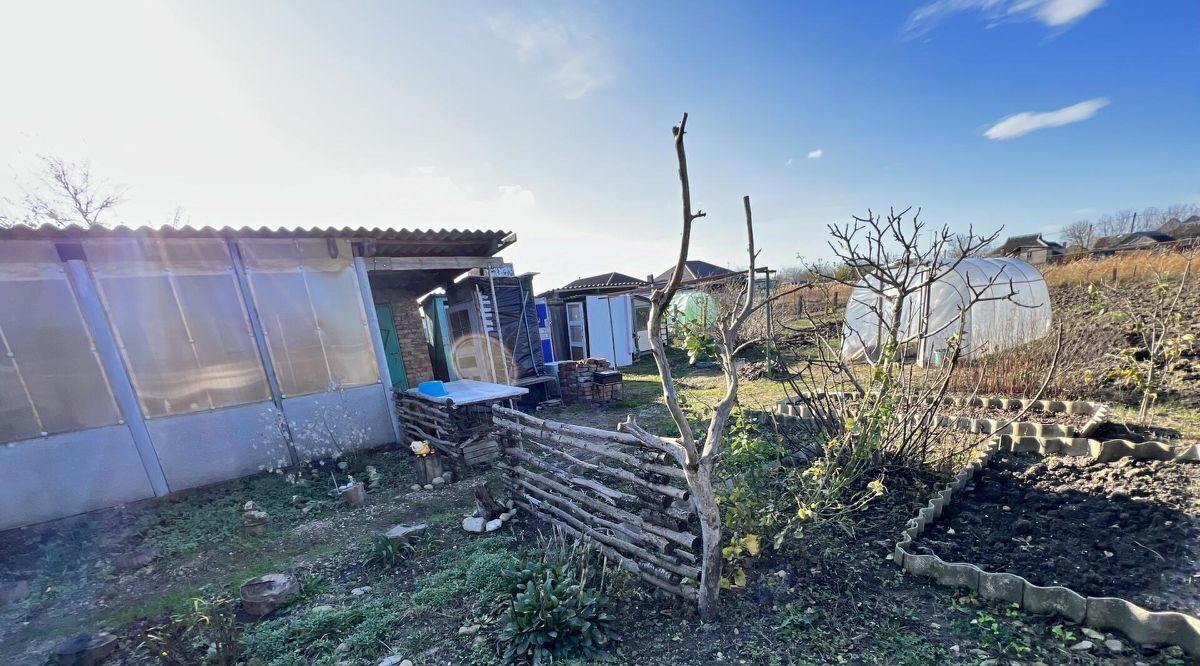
x=1029 y=427
x=1144 y=626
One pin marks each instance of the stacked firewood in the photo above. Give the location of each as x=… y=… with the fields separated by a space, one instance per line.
x=628 y=500
x=577 y=383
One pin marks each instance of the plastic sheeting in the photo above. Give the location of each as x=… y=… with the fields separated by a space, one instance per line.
x=519 y=325
x=178 y=316
x=692 y=310
x=930 y=318
x=51 y=379
x=311 y=309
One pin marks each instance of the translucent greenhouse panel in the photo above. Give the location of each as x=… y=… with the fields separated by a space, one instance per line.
x=51 y=379
x=308 y=299
x=179 y=319
x=861 y=332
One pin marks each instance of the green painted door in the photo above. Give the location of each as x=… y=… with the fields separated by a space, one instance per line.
x=391 y=345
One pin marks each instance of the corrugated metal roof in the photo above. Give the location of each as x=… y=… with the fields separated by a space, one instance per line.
x=605 y=280
x=391 y=242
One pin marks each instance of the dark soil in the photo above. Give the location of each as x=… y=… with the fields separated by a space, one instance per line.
x=1124 y=529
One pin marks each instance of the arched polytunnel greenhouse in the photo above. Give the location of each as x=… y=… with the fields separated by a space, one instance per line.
x=1013 y=308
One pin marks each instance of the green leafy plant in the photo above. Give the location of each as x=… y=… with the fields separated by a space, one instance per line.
x=1062 y=635
x=555 y=606
x=699 y=346
x=551 y=616
x=387 y=553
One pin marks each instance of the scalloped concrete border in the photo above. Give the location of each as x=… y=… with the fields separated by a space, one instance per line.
x=1099 y=414
x=1139 y=624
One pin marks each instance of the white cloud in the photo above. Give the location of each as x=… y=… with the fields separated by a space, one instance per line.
x=1011 y=127
x=1050 y=13
x=789 y=161
x=815 y=154
x=571 y=46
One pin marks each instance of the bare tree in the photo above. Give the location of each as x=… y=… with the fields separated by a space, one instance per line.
x=1081 y=233
x=867 y=424
x=66 y=194
x=697 y=454
x=1181 y=211
x=1109 y=225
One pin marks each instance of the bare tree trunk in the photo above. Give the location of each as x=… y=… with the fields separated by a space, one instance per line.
x=697 y=461
x=699 y=481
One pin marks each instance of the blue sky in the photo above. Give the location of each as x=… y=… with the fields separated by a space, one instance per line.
x=553 y=120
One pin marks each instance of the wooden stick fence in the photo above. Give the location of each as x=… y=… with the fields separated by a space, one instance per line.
x=628 y=499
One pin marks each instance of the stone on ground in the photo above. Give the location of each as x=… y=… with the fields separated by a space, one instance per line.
x=1083 y=646
x=1114 y=645
x=403 y=535
x=494 y=524
x=395 y=661
x=13 y=591
x=473 y=524
x=262 y=595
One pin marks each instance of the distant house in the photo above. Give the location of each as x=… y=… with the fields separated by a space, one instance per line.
x=696 y=270
x=1182 y=229
x=598 y=316
x=605 y=283
x=1031 y=248
x=1138 y=240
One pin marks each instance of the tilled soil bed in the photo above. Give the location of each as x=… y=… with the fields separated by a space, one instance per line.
x=1125 y=529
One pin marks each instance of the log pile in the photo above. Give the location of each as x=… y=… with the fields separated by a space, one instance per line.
x=628 y=500
x=577 y=382
x=465 y=435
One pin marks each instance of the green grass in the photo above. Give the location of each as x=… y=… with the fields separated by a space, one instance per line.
x=312 y=638
x=471 y=573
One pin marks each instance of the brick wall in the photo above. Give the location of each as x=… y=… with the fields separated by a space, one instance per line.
x=414 y=348
x=577 y=383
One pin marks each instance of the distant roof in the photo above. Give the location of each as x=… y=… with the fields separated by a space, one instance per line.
x=1015 y=243
x=605 y=280
x=1128 y=239
x=695 y=270
x=382 y=242
x=1189 y=228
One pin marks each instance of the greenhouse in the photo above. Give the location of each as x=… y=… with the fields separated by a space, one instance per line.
x=138 y=362
x=1011 y=307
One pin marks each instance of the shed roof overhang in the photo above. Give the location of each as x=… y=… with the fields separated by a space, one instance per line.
x=420 y=260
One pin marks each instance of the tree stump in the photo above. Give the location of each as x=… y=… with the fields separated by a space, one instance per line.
x=354 y=494
x=85 y=649
x=261 y=596
x=486 y=505
x=428 y=468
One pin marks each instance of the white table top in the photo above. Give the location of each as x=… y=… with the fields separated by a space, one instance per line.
x=469 y=391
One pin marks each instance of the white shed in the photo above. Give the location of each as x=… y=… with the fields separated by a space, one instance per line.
x=930 y=316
